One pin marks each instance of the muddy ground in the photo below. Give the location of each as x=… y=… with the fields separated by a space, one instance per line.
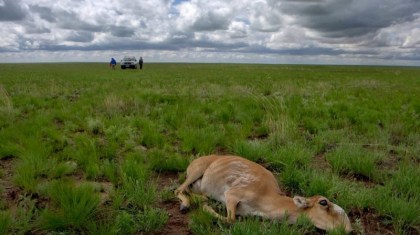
x=178 y=222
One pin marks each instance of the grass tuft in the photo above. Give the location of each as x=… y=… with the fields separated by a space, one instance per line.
x=5 y=100
x=203 y=223
x=403 y=211
x=73 y=206
x=161 y=161
x=151 y=220
x=5 y=220
x=146 y=222
x=253 y=150
x=406 y=180
x=94 y=126
x=26 y=216
x=354 y=160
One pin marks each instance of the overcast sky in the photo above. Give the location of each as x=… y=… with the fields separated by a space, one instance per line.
x=238 y=31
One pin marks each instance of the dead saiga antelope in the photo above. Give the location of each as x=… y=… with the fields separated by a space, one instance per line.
x=247 y=188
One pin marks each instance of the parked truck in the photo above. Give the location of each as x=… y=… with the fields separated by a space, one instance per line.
x=129 y=62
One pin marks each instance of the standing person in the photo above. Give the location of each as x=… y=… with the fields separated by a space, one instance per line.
x=113 y=63
x=141 y=62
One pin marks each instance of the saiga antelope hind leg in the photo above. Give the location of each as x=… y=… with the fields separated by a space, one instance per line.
x=231 y=204
x=179 y=192
x=194 y=172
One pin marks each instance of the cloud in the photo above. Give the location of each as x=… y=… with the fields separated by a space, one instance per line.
x=45 y=13
x=344 y=18
x=121 y=31
x=311 y=30
x=11 y=10
x=238 y=29
x=210 y=21
x=265 y=18
x=71 y=20
x=289 y=37
x=203 y=15
x=36 y=29
x=80 y=36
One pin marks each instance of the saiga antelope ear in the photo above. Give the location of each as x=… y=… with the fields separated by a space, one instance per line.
x=300 y=202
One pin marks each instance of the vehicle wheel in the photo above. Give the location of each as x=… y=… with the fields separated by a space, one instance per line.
x=122 y=67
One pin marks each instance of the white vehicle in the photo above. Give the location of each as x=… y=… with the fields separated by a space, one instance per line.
x=129 y=62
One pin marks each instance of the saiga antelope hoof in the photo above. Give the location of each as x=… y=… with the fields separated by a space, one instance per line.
x=184 y=209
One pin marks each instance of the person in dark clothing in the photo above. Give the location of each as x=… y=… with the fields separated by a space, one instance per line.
x=113 y=63
x=141 y=62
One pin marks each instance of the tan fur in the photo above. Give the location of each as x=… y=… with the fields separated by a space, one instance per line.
x=247 y=188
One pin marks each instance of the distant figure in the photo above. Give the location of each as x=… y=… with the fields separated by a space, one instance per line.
x=113 y=63
x=141 y=62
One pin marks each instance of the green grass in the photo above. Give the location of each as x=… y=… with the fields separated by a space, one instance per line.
x=400 y=210
x=350 y=133
x=353 y=159
x=73 y=206
x=151 y=220
x=406 y=180
x=26 y=217
x=204 y=223
x=162 y=161
x=255 y=225
x=4 y=222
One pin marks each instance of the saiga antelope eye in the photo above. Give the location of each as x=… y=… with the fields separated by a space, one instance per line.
x=323 y=203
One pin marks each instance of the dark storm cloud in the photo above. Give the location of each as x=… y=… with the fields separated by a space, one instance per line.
x=11 y=11
x=80 y=25
x=120 y=31
x=109 y=46
x=413 y=56
x=33 y=29
x=44 y=12
x=143 y=24
x=349 y=18
x=80 y=36
x=297 y=52
x=210 y=21
x=185 y=40
x=173 y=44
x=238 y=34
x=217 y=46
x=70 y=20
x=7 y=49
x=315 y=1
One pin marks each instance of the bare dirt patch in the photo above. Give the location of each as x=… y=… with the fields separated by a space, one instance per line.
x=222 y=151
x=258 y=137
x=390 y=163
x=320 y=162
x=10 y=192
x=370 y=221
x=369 y=183
x=11 y=195
x=177 y=223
